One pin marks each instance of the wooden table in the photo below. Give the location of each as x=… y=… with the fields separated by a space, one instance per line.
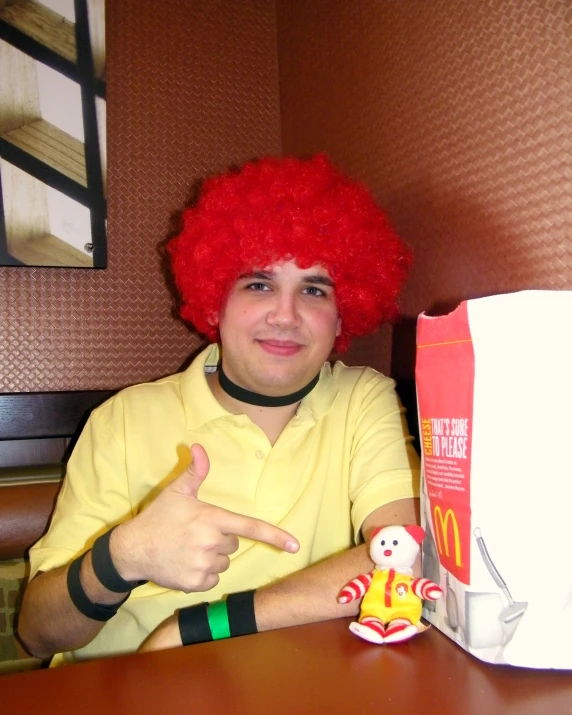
x=320 y=668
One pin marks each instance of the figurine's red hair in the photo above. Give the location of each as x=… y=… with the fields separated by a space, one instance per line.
x=283 y=209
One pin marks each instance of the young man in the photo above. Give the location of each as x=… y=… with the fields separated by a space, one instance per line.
x=253 y=473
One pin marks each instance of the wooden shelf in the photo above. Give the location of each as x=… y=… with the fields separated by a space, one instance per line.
x=37 y=154
x=48 y=250
x=19 y=95
x=29 y=236
x=43 y=25
x=52 y=146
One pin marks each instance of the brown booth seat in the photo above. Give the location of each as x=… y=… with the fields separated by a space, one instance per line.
x=29 y=424
x=27 y=493
x=25 y=509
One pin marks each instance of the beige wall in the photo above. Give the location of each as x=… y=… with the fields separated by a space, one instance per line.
x=459 y=116
x=191 y=88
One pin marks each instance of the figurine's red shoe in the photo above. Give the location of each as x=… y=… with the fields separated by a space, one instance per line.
x=399 y=630
x=370 y=629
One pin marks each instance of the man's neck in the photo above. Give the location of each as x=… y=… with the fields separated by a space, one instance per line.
x=271 y=420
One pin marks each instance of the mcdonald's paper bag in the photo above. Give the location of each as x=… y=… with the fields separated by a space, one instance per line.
x=494 y=390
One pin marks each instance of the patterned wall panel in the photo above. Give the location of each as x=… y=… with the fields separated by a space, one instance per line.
x=191 y=89
x=459 y=116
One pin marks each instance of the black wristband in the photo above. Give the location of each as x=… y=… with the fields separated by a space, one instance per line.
x=241 y=616
x=95 y=611
x=104 y=568
x=194 y=624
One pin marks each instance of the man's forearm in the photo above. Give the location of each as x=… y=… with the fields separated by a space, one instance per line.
x=311 y=595
x=303 y=597
x=49 y=622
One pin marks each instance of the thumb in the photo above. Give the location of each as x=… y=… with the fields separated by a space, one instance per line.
x=194 y=475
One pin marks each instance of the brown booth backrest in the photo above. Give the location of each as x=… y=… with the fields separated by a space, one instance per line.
x=25 y=511
x=27 y=501
x=28 y=494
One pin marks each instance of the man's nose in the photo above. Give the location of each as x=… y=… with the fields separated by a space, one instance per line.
x=284 y=311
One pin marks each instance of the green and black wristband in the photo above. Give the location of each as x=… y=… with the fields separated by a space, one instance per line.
x=205 y=622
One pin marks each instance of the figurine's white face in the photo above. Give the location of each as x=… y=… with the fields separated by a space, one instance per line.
x=393 y=548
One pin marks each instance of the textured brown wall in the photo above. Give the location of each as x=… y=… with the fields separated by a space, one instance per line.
x=192 y=87
x=459 y=116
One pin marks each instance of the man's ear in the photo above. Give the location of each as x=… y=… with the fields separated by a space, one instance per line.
x=339 y=327
x=212 y=320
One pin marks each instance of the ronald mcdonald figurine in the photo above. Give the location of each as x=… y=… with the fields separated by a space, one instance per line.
x=392 y=598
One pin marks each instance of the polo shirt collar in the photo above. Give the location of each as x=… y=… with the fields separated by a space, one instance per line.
x=320 y=400
x=201 y=406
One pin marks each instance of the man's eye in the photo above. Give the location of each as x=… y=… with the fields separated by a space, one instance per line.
x=257 y=286
x=314 y=290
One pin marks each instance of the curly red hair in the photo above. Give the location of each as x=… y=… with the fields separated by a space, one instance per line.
x=273 y=210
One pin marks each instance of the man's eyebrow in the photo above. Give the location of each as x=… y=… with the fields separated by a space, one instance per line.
x=260 y=275
x=269 y=275
x=319 y=280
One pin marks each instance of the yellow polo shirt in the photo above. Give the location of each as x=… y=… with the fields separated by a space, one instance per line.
x=343 y=455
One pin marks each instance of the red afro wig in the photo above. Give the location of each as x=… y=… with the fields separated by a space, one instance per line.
x=275 y=210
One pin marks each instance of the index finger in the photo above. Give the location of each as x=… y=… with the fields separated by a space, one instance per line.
x=256 y=530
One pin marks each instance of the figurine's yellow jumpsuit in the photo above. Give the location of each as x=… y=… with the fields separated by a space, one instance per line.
x=390 y=596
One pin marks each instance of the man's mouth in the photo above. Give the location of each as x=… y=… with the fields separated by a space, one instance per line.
x=280 y=347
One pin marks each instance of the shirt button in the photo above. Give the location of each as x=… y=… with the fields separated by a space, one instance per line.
x=259 y=454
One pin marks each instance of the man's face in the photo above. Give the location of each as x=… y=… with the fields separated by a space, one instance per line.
x=278 y=327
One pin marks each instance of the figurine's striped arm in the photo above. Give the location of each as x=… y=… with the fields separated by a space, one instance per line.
x=426 y=589
x=355 y=588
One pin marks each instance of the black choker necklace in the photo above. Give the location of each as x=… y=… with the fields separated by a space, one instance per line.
x=254 y=398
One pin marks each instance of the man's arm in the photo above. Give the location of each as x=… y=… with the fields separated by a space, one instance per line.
x=178 y=542
x=309 y=595
x=49 y=622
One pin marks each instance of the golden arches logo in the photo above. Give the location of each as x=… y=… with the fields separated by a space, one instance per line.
x=442 y=527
